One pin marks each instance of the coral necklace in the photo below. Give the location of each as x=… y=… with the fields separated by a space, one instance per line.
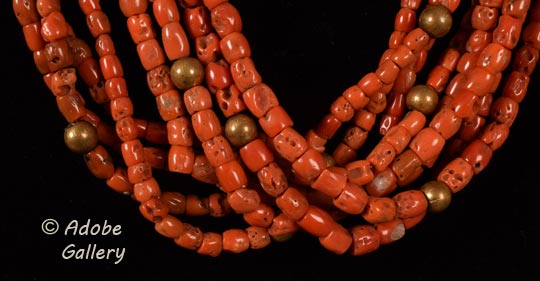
x=221 y=124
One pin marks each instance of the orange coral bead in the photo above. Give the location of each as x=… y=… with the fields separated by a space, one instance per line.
x=230 y=101
x=116 y=88
x=508 y=31
x=132 y=152
x=381 y=156
x=235 y=240
x=218 y=151
x=144 y=190
x=196 y=206
x=256 y=155
x=71 y=106
x=234 y=46
x=495 y=134
x=170 y=105
x=211 y=244
x=516 y=85
x=390 y=231
x=384 y=182
x=428 y=144
x=258 y=237
x=410 y=203
x=139 y=172
x=175 y=41
x=352 y=199
x=331 y=181
x=366 y=239
x=355 y=137
x=293 y=203
x=175 y=201
x=217 y=75
x=226 y=19
x=398 y=137
x=289 y=144
x=337 y=241
x=170 y=227
x=407 y=167
x=456 y=174
x=260 y=99
x=282 y=225
x=191 y=238
x=165 y=11
x=203 y=170
x=99 y=162
x=504 y=110
x=130 y=7
x=231 y=176
x=342 y=109
x=272 y=179
x=484 y=18
x=413 y=121
x=207 y=47
x=150 y=54
x=197 y=21
x=357 y=98
x=317 y=221
x=275 y=120
x=262 y=216
x=244 y=74
x=206 y=124
x=119 y=181
x=446 y=123
x=359 y=172
x=379 y=210
x=477 y=154
x=310 y=165
x=153 y=209
x=243 y=200
x=159 y=80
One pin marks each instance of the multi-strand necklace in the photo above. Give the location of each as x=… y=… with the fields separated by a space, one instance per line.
x=356 y=180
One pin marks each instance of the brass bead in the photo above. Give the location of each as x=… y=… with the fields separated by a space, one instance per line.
x=422 y=98
x=435 y=20
x=80 y=137
x=187 y=72
x=240 y=129
x=438 y=195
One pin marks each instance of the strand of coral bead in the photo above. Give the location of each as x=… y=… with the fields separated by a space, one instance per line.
x=307 y=215
x=384 y=88
x=276 y=224
x=148 y=193
x=146 y=188
x=478 y=152
x=407 y=166
x=86 y=132
x=401 y=96
x=171 y=107
x=208 y=130
x=307 y=163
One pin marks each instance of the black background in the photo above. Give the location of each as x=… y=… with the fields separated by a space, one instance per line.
x=308 y=53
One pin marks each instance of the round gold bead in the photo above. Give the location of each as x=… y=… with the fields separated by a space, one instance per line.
x=80 y=137
x=240 y=129
x=438 y=195
x=187 y=72
x=422 y=98
x=435 y=20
